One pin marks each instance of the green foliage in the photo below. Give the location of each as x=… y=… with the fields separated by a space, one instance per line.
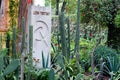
x=43 y=74
x=107 y=61
x=99 y=12
x=8 y=66
x=85 y=51
x=45 y=64
x=80 y=77
x=47 y=2
x=1 y=63
x=11 y=67
x=111 y=67
x=65 y=66
x=3 y=52
x=117 y=75
x=113 y=63
x=102 y=52
x=117 y=19
x=2 y=55
x=60 y=60
x=51 y=75
x=13 y=9
x=66 y=70
x=8 y=42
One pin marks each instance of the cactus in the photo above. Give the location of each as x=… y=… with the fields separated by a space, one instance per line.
x=23 y=35
x=14 y=55
x=22 y=48
x=62 y=34
x=77 y=39
x=30 y=38
x=30 y=52
x=68 y=46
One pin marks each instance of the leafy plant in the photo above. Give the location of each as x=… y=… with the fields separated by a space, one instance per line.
x=117 y=75
x=117 y=19
x=110 y=67
x=113 y=63
x=7 y=69
x=43 y=74
x=80 y=77
x=102 y=52
x=11 y=67
x=45 y=64
x=85 y=52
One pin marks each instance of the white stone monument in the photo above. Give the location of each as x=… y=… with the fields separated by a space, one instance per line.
x=40 y=19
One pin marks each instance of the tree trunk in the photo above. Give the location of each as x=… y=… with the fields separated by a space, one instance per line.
x=113 y=39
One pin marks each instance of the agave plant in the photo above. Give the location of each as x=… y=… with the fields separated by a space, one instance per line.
x=110 y=67
x=45 y=64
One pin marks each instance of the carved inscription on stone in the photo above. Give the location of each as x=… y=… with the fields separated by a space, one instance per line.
x=41 y=22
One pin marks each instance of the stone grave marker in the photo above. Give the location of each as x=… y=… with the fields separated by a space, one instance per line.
x=40 y=19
